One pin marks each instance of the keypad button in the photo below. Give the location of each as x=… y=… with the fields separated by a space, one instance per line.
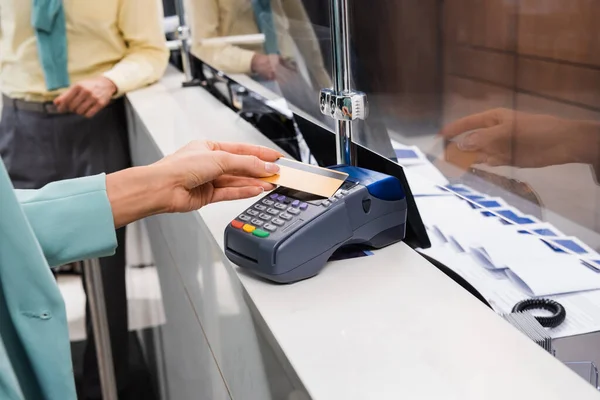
x=237 y=224
x=268 y=202
x=344 y=192
x=293 y=211
x=273 y=211
x=326 y=203
x=295 y=203
x=333 y=199
x=287 y=200
x=339 y=195
x=285 y=216
x=265 y=217
x=274 y=196
x=260 y=207
x=254 y=213
x=248 y=228
x=257 y=222
x=280 y=206
x=244 y=218
x=280 y=198
x=260 y=233
x=278 y=221
x=303 y=206
x=270 y=228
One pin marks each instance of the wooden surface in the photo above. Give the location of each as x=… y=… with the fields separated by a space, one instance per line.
x=546 y=52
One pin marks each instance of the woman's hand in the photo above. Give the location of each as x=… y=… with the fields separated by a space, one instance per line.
x=196 y=175
x=208 y=172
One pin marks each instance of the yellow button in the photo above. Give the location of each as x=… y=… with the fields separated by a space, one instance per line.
x=248 y=228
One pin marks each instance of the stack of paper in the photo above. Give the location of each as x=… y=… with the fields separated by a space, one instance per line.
x=413 y=159
x=502 y=293
x=536 y=256
x=529 y=326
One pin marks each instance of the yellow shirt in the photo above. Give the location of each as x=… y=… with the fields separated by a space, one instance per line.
x=120 y=39
x=217 y=18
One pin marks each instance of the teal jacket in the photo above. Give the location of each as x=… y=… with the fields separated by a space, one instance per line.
x=62 y=222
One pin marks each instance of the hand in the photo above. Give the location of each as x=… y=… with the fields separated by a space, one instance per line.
x=209 y=172
x=506 y=137
x=88 y=97
x=265 y=65
x=196 y=175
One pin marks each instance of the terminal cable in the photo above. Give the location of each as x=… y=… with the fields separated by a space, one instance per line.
x=558 y=311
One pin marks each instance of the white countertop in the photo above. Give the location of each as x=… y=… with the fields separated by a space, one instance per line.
x=389 y=326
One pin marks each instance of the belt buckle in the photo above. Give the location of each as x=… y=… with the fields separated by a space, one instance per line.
x=49 y=108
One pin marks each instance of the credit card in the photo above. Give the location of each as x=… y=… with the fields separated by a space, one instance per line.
x=307 y=178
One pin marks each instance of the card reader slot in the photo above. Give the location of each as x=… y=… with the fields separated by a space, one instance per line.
x=240 y=255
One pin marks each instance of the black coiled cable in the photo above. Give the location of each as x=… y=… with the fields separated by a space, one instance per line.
x=558 y=311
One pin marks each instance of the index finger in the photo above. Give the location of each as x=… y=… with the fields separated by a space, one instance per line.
x=243 y=165
x=466 y=124
x=244 y=149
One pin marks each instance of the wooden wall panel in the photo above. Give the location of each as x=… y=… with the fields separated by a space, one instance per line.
x=566 y=30
x=566 y=82
x=465 y=97
x=397 y=56
x=556 y=61
x=490 y=66
x=484 y=23
x=539 y=105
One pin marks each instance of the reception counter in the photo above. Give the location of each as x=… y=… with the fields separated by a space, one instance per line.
x=388 y=326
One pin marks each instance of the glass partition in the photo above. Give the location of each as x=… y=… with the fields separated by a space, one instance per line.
x=503 y=95
x=492 y=107
x=273 y=43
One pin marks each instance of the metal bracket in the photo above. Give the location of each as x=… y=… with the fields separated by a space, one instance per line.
x=346 y=106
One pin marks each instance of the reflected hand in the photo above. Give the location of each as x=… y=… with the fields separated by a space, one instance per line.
x=265 y=65
x=506 y=137
x=88 y=97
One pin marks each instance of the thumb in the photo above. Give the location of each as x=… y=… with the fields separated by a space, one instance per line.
x=470 y=142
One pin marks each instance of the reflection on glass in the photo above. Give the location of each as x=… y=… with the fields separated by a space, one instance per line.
x=288 y=59
x=502 y=95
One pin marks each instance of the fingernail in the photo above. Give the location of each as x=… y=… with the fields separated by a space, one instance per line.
x=467 y=143
x=272 y=168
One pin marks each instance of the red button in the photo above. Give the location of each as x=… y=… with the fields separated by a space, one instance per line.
x=237 y=224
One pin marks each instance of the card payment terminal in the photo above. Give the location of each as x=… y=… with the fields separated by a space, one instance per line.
x=289 y=235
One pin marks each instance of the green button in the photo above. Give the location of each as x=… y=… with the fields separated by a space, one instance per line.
x=260 y=233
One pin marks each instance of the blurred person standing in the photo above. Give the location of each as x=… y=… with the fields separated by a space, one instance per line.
x=64 y=66
x=290 y=60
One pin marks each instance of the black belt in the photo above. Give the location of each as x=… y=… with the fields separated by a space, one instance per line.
x=41 y=107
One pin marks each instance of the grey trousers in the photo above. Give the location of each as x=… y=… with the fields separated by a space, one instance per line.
x=39 y=148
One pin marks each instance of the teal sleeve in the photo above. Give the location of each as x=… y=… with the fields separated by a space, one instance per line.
x=72 y=219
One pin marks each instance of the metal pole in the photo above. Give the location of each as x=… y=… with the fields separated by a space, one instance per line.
x=95 y=290
x=183 y=34
x=342 y=75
